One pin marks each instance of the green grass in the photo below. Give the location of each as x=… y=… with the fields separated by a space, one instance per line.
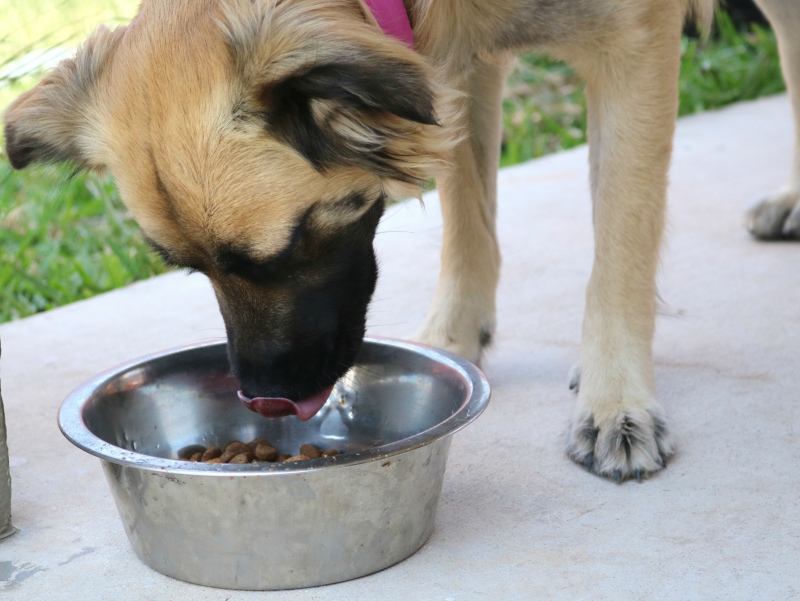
x=31 y=25
x=734 y=66
x=543 y=110
x=65 y=238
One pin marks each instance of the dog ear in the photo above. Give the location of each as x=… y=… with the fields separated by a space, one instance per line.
x=374 y=112
x=51 y=122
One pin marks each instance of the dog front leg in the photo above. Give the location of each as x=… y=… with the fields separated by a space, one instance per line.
x=618 y=429
x=462 y=316
x=777 y=216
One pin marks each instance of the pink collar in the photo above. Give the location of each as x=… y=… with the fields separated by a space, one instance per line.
x=391 y=15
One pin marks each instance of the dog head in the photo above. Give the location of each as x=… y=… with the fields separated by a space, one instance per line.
x=255 y=141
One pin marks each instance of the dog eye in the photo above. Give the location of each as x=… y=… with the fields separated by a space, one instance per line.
x=239 y=263
x=171 y=259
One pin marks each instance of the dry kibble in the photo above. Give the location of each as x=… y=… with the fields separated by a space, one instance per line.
x=187 y=453
x=265 y=452
x=241 y=458
x=310 y=451
x=258 y=442
x=227 y=456
x=211 y=453
x=236 y=447
x=255 y=451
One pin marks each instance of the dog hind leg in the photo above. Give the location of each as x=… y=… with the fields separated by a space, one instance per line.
x=618 y=430
x=462 y=316
x=777 y=216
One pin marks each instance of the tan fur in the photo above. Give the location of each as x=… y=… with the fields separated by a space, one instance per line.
x=172 y=106
x=62 y=106
x=777 y=215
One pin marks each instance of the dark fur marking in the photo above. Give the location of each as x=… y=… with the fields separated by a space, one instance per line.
x=588 y=432
x=659 y=426
x=626 y=433
x=22 y=151
x=234 y=260
x=170 y=258
x=485 y=337
x=238 y=261
x=352 y=203
x=371 y=85
x=230 y=258
x=304 y=246
x=661 y=432
x=162 y=252
x=375 y=84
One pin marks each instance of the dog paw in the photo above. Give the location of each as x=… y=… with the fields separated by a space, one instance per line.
x=628 y=444
x=776 y=217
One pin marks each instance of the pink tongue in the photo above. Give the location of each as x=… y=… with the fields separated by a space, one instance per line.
x=305 y=409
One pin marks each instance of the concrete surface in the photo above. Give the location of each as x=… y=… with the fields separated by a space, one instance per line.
x=517 y=519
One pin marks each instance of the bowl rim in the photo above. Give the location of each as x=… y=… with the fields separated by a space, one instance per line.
x=72 y=426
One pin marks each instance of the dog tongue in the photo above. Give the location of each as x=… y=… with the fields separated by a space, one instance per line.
x=278 y=407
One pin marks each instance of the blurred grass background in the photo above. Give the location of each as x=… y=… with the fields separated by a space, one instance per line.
x=65 y=236
x=544 y=108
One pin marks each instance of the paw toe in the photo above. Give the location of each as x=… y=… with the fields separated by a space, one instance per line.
x=791 y=227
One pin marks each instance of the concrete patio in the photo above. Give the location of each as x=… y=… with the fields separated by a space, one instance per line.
x=517 y=519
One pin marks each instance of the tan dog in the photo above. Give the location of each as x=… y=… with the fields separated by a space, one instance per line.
x=256 y=141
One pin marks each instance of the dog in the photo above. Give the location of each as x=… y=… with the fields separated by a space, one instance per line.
x=257 y=141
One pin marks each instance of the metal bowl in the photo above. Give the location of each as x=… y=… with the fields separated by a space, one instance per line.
x=276 y=526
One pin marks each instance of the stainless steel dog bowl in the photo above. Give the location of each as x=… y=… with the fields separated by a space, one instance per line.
x=276 y=526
